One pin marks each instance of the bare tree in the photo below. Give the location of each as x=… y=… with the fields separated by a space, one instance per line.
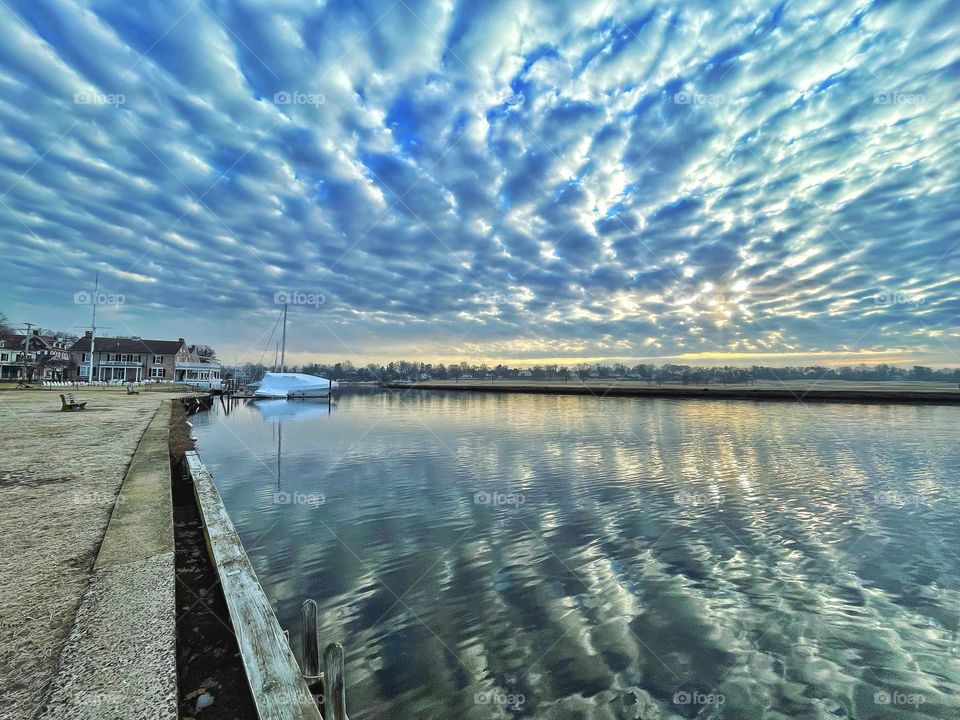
x=205 y=351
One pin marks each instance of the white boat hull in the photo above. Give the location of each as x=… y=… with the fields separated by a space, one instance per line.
x=299 y=394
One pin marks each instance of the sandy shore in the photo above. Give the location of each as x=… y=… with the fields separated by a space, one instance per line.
x=59 y=477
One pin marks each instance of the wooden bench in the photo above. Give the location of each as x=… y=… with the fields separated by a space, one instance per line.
x=70 y=403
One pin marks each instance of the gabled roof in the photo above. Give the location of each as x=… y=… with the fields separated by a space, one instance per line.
x=129 y=345
x=16 y=340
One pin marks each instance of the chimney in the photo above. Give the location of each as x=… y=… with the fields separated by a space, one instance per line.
x=182 y=341
x=88 y=333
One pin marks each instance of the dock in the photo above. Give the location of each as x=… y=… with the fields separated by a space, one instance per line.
x=277 y=686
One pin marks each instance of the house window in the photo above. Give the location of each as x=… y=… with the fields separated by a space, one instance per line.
x=158 y=359
x=86 y=357
x=157 y=372
x=4 y=357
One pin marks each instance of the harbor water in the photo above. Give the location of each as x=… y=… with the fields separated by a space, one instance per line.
x=487 y=556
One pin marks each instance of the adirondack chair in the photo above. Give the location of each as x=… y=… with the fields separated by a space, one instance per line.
x=70 y=403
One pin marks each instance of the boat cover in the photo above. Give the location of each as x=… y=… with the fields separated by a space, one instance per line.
x=279 y=385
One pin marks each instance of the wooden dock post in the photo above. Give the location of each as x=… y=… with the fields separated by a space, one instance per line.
x=334 y=691
x=309 y=642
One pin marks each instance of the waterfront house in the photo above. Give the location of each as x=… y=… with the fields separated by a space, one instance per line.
x=135 y=359
x=195 y=369
x=35 y=357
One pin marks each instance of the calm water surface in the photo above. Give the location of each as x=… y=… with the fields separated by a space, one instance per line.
x=485 y=556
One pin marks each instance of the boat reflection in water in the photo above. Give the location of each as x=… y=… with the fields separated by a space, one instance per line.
x=278 y=412
x=293 y=410
x=486 y=556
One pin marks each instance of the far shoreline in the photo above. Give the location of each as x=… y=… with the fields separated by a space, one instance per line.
x=859 y=392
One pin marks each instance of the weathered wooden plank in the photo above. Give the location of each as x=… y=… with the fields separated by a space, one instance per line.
x=272 y=671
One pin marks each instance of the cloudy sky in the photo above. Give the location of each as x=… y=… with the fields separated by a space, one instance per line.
x=518 y=180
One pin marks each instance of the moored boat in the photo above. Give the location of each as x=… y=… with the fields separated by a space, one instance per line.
x=293 y=385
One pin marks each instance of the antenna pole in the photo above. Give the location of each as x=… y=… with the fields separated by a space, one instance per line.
x=26 y=348
x=283 y=340
x=93 y=326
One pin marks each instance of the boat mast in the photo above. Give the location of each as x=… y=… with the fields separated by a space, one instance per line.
x=93 y=326
x=283 y=339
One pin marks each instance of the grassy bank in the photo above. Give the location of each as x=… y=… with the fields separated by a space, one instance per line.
x=790 y=390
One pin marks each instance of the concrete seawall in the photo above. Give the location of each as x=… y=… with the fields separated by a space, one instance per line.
x=120 y=659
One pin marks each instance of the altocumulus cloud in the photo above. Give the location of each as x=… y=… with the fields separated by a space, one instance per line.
x=513 y=179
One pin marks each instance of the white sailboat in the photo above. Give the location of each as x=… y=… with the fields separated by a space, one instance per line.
x=292 y=385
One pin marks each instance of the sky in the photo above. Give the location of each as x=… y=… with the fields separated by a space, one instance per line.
x=704 y=182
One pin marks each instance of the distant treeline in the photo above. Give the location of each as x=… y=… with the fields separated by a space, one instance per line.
x=403 y=370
